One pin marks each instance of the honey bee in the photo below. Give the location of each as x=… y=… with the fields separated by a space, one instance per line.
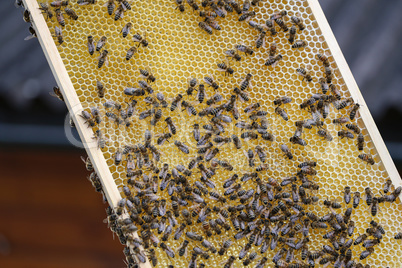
x=353 y=111
x=398 y=236
x=282 y=113
x=342 y=104
x=110 y=6
x=257 y=26
x=156 y=118
x=91 y=45
x=260 y=42
x=328 y=74
x=356 y=199
x=60 y=17
x=101 y=140
x=345 y=134
x=243 y=96
x=141 y=40
x=324 y=85
x=271 y=27
x=124 y=4
x=180 y=5
x=171 y=125
x=213 y=23
x=130 y=91
x=126 y=30
x=182 y=249
x=225 y=68
x=387 y=185
x=366 y=253
x=189 y=108
x=71 y=13
x=57 y=93
x=298 y=21
x=225 y=246
x=88 y=118
x=282 y=100
x=245 y=49
x=204 y=26
x=324 y=133
x=247 y=15
x=18 y=3
x=285 y=149
x=151 y=100
x=100 y=88
x=214 y=99
x=340 y=121
x=167 y=250
x=58 y=35
x=132 y=50
x=119 y=13
x=297 y=140
x=102 y=58
x=374 y=206
x=236 y=141
x=324 y=59
x=211 y=82
x=261 y=263
x=307 y=103
x=44 y=8
x=272 y=61
x=182 y=147
x=233 y=54
x=101 y=43
x=300 y=44
x=88 y=163
x=250 y=156
x=193 y=4
x=354 y=128
x=27 y=16
x=85 y=2
x=367 y=158
x=221 y=12
x=305 y=74
x=32 y=33
x=146 y=73
x=282 y=24
x=292 y=34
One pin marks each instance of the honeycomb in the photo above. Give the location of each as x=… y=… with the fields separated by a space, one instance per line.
x=179 y=50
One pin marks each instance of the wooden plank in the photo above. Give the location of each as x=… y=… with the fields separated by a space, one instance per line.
x=355 y=92
x=73 y=104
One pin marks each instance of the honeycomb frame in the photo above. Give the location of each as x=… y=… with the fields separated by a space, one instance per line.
x=101 y=165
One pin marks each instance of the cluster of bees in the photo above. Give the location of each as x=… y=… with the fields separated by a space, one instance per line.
x=250 y=208
x=47 y=10
x=26 y=16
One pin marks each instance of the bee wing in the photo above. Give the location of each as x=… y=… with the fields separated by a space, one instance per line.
x=221 y=70
x=54 y=95
x=29 y=37
x=123 y=6
x=229 y=53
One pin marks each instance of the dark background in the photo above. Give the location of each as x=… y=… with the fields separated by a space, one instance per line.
x=51 y=215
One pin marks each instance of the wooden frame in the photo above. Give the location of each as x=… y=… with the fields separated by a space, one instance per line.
x=74 y=106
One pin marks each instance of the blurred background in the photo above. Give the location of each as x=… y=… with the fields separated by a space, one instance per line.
x=51 y=215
